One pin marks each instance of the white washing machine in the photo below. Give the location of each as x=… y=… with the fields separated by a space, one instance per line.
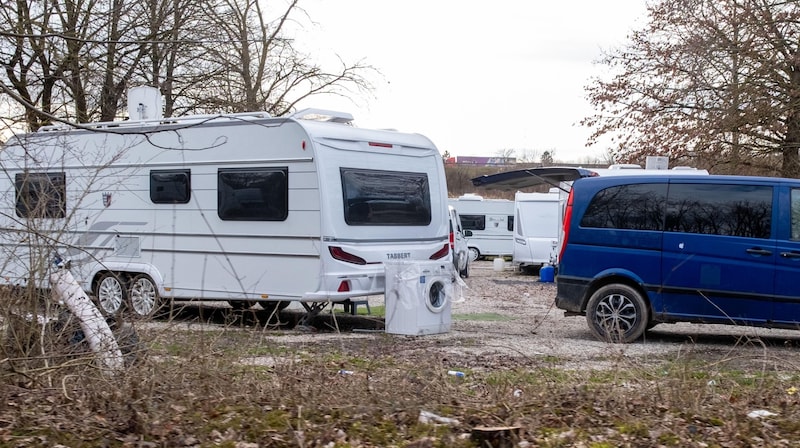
x=418 y=297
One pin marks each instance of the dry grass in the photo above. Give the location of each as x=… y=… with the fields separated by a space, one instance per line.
x=235 y=382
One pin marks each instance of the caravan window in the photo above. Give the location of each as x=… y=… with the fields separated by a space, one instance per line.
x=510 y=223
x=373 y=197
x=41 y=195
x=170 y=186
x=260 y=194
x=473 y=222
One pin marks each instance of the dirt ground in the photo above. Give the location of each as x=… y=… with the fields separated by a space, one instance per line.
x=510 y=315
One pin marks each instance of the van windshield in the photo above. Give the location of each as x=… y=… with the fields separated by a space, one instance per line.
x=383 y=198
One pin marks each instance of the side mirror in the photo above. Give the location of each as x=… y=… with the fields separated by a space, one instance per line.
x=467 y=233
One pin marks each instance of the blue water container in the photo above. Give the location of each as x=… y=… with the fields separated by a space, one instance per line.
x=547 y=274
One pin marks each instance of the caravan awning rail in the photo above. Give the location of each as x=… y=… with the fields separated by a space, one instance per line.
x=191 y=119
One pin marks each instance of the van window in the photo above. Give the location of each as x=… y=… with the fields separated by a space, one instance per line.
x=253 y=194
x=731 y=210
x=473 y=222
x=41 y=195
x=635 y=207
x=795 y=197
x=170 y=186
x=386 y=198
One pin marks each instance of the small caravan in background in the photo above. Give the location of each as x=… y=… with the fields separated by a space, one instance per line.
x=536 y=229
x=491 y=222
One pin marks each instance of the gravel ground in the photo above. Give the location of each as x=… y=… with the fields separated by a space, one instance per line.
x=510 y=315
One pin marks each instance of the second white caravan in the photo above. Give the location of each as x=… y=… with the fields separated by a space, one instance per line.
x=491 y=222
x=244 y=208
x=536 y=229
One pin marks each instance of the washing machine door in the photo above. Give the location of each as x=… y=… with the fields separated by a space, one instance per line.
x=437 y=293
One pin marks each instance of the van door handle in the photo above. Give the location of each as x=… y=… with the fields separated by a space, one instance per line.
x=790 y=254
x=756 y=251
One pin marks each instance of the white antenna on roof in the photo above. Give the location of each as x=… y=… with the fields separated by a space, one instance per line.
x=144 y=103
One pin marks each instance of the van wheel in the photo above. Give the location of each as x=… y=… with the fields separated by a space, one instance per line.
x=110 y=293
x=464 y=273
x=474 y=253
x=241 y=304
x=617 y=313
x=143 y=296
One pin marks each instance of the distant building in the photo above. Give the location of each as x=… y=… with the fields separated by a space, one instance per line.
x=481 y=161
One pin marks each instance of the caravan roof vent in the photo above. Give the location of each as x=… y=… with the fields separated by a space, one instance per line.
x=624 y=166
x=470 y=197
x=331 y=116
x=144 y=103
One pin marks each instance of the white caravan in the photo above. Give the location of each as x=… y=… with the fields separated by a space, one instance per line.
x=536 y=229
x=491 y=222
x=242 y=208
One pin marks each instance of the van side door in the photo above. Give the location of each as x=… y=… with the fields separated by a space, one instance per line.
x=718 y=254
x=787 y=268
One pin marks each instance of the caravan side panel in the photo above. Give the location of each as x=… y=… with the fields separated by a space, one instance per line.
x=536 y=229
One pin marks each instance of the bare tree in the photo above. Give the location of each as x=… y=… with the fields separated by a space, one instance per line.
x=709 y=83
x=75 y=60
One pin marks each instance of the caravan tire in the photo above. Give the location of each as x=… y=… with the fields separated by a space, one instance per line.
x=110 y=293
x=239 y=305
x=143 y=296
x=273 y=307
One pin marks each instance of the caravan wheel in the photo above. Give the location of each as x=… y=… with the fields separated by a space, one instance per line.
x=143 y=296
x=110 y=293
x=241 y=304
x=274 y=306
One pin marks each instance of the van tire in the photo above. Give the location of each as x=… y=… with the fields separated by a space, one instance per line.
x=143 y=297
x=465 y=272
x=617 y=313
x=110 y=293
x=474 y=253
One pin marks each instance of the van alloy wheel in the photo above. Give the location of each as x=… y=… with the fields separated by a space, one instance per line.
x=474 y=254
x=617 y=313
x=110 y=293
x=143 y=296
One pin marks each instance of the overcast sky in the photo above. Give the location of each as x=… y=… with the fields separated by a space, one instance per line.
x=477 y=78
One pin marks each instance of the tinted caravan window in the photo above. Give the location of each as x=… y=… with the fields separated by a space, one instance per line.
x=732 y=210
x=396 y=198
x=510 y=223
x=41 y=195
x=253 y=194
x=473 y=222
x=170 y=186
x=635 y=207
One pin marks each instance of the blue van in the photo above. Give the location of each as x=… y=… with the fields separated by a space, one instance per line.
x=641 y=250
